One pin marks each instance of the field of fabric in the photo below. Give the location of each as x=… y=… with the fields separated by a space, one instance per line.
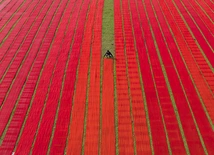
x=106 y=77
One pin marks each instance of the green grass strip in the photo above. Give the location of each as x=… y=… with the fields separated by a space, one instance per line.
x=108 y=27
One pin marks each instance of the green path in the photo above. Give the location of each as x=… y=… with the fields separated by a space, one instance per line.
x=108 y=27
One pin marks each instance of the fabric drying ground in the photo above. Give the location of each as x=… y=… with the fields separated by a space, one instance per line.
x=61 y=93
